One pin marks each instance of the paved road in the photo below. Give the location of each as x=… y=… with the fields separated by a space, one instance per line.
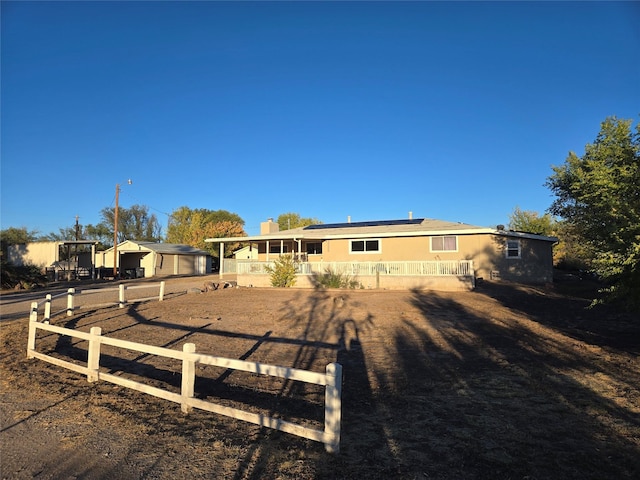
x=16 y=305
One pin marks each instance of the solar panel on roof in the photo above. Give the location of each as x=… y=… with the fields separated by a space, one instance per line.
x=373 y=223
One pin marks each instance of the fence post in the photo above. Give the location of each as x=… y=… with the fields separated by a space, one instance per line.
x=161 y=291
x=93 y=360
x=33 y=313
x=47 y=309
x=333 y=407
x=70 y=293
x=121 y=300
x=188 y=377
x=31 y=339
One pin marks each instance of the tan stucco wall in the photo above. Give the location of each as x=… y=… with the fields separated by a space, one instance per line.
x=486 y=250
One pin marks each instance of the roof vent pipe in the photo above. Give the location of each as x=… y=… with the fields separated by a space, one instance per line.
x=410 y=215
x=348 y=218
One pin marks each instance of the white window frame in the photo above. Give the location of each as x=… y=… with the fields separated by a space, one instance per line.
x=365 y=251
x=431 y=249
x=509 y=249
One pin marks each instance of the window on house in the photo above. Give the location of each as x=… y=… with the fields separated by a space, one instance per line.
x=276 y=249
x=364 y=246
x=444 y=243
x=513 y=248
x=314 y=248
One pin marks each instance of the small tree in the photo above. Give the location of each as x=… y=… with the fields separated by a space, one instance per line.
x=283 y=272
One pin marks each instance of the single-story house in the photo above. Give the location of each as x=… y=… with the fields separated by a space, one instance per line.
x=149 y=259
x=406 y=253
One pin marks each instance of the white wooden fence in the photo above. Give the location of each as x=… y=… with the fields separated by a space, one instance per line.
x=72 y=293
x=427 y=268
x=331 y=379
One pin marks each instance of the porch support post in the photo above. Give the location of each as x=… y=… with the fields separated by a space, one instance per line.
x=221 y=270
x=93 y=261
x=268 y=250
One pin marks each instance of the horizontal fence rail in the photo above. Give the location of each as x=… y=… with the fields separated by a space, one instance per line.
x=71 y=305
x=419 y=268
x=331 y=380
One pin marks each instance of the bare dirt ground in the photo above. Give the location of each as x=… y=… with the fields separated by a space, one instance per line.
x=505 y=382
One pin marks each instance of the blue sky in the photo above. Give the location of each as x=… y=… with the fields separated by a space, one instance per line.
x=450 y=110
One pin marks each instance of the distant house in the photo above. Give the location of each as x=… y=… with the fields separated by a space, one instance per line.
x=406 y=253
x=245 y=253
x=149 y=259
x=79 y=259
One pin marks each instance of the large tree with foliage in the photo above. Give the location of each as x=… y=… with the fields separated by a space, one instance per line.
x=532 y=222
x=101 y=233
x=193 y=226
x=134 y=223
x=598 y=195
x=290 y=220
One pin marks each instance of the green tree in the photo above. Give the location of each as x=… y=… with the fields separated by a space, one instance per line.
x=192 y=227
x=287 y=221
x=599 y=198
x=14 y=236
x=531 y=222
x=134 y=223
x=570 y=253
x=101 y=233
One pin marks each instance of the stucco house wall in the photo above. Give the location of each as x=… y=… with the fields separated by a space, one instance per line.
x=496 y=253
x=487 y=250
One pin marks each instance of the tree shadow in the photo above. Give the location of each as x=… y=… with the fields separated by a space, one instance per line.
x=491 y=398
x=514 y=390
x=601 y=325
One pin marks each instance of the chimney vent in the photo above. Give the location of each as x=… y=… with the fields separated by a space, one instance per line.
x=410 y=215
x=269 y=227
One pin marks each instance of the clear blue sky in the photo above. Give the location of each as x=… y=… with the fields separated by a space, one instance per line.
x=451 y=110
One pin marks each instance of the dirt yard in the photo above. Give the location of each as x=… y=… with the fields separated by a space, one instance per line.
x=505 y=382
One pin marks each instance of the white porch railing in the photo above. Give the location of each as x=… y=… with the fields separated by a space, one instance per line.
x=425 y=268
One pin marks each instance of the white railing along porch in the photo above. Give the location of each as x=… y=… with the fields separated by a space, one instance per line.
x=425 y=268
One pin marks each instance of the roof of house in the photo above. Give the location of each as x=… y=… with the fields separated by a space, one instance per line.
x=173 y=248
x=380 y=228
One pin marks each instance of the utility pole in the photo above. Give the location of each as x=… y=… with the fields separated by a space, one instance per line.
x=115 y=232
x=115 y=235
